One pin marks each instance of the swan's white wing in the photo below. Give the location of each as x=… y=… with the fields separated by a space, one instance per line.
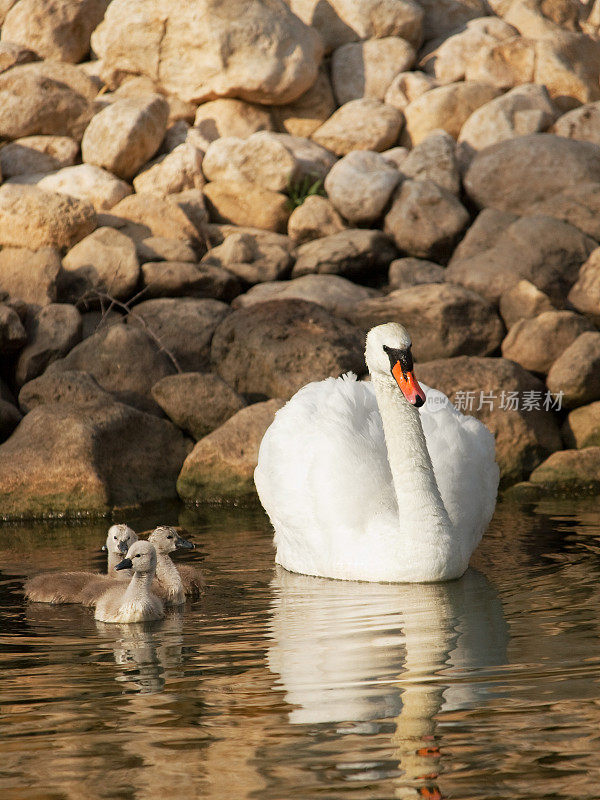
x=463 y=453
x=323 y=475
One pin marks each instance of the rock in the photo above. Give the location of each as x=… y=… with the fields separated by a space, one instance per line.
x=579 y=205
x=585 y=292
x=98 y=320
x=396 y=156
x=272 y=349
x=142 y=215
x=360 y=186
x=314 y=219
x=126 y=134
x=303 y=116
x=576 y=373
x=244 y=203
x=425 y=220
x=434 y=159
x=568 y=66
x=86 y=182
x=12 y=332
x=31 y=94
x=446 y=107
x=504 y=64
x=366 y=68
x=253 y=257
x=12 y=54
x=52 y=332
x=406 y=87
x=493 y=390
x=484 y=233
x=42 y=219
x=341 y=21
x=182 y=327
x=182 y=279
x=407 y=272
x=446 y=59
x=197 y=402
x=35 y=154
x=70 y=459
x=30 y=275
x=338 y=295
x=443 y=320
x=313 y=161
x=353 y=253
x=70 y=386
x=536 y=18
x=160 y=248
x=524 y=110
x=581 y=123
x=514 y=174
x=442 y=17
x=191 y=202
x=227 y=117
x=9 y=419
x=221 y=466
x=56 y=31
x=570 y=471
x=364 y=124
x=582 y=427
x=536 y=343
x=178 y=170
x=124 y=360
x=177 y=133
x=105 y=262
x=257 y=51
x=259 y=159
x=543 y=250
x=523 y=301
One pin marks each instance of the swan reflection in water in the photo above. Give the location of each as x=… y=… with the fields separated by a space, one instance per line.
x=364 y=653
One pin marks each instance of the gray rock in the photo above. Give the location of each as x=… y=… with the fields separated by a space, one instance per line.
x=354 y=254
x=197 y=402
x=70 y=386
x=253 y=257
x=582 y=426
x=272 y=349
x=425 y=220
x=181 y=279
x=360 y=185
x=160 y=248
x=184 y=327
x=585 y=292
x=488 y=227
x=523 y=301
x=407 y=272
x=581 y=123
x=570 y=471
x=12 y=332
x=434 y=159
x=52 y=332
x=443 y=320
x=314 y=219
x=576 y=373
x=364 y=124
x=578 y=205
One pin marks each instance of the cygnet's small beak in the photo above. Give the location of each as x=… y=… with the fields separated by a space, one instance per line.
x=127 y=563
x=104 y=548
x=183 y=544
x=409 y=386
x=123 y=547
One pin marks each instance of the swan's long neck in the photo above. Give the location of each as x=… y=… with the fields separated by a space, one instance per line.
x=139 y=587
x=420 y=506
x=168 y=576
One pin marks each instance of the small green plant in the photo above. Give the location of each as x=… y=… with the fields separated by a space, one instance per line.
x=298 y=191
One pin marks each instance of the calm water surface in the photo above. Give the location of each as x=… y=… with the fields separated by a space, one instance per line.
x=279 y=686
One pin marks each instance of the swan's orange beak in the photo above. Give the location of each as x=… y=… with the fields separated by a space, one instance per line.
x=409 y=386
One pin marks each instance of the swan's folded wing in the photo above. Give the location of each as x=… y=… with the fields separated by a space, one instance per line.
x=463 y=454
x=322 y=465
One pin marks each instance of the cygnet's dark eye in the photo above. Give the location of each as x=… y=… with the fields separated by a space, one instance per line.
x=137 y=555
x=169 y=537
x=114 y=537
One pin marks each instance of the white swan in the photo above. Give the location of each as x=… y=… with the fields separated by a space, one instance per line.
x=361 y=483
x=135 y=602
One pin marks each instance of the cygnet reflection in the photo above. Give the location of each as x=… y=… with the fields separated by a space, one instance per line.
x=148 y=653
x=355 y=652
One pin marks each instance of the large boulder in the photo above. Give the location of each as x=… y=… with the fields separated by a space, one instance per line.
x=72 y=386
x=576 y=373
x=443 y=320
x=182 y=279
x=37 y=154
x=197 y=402
x=32 y=216
x=240 y=202
x=28 y=275
x=259 y=159
x=258 y=51
x=579 y=205
x=582 y=426
x=364 y=124
x=407 y=272
x=536 y=343
x=581 y=123
x=56 y=31
x=514 y=174
x=126 y=134
x=125 y=361
x=221 y=466
x=366 y=69
x=176 y=171
x=272 y=349
x=104 y=263
x=425 y=220
x=570 y=471
x=46 y=97
x=70 y=459
x=86 y=182
x=303 y=116
x=182 y=327
x=52 y=332
x=434 y=159
x=142 y=215
x=353 y=253
x=494 y=390
x=360 y=185
x=228 y=116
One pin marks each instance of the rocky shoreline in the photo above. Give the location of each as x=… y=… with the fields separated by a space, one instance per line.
x=205 y=206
